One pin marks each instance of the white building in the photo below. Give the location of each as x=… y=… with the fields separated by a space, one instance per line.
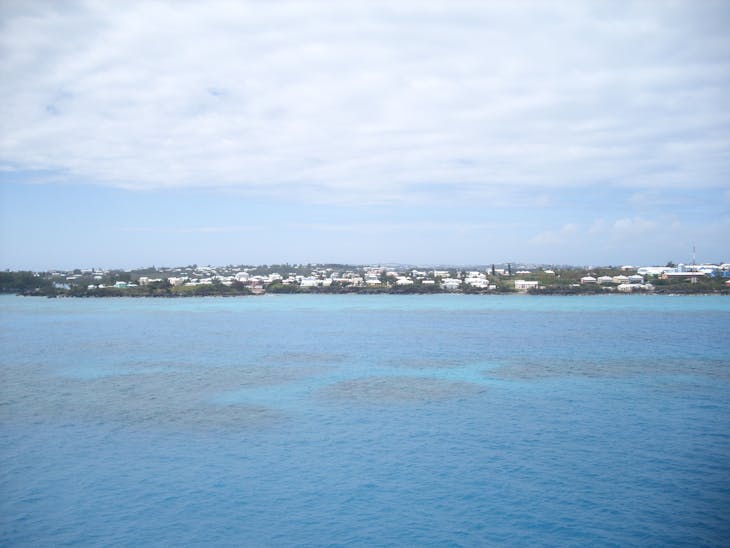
x=309 y=282
x=450 y=284
x=630 y=288
x=144 y=280
x=682 y=275
x=524 y=285
x=654 y=270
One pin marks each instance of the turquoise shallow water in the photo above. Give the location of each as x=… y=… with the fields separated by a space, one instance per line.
x=365 y=420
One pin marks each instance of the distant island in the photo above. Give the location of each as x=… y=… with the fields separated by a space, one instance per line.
x=194 y=280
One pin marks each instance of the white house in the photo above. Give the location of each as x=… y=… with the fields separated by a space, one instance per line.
x=629 y=288
x=144 y=280
x=588 y=280
x=450 y=284
x=524 y=285
x=309 y=282
x=654 y=270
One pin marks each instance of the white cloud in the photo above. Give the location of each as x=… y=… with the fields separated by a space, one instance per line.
x=598 y=226
x=352 y=99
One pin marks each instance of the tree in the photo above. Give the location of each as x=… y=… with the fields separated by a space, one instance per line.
x=22 y=282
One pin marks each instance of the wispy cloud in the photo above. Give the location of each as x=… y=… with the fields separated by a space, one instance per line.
x=396 y=228
x=349 y=101
x=192 y=229
x=562 y=235
x=362 y=227
x=634 y=226
x=625 y=226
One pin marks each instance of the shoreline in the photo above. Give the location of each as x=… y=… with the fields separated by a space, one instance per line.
x=387 y=294
x=234 y=281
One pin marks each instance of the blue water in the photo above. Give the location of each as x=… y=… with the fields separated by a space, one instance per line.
x=365 y=420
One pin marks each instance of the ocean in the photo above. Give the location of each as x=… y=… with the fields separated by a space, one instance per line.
x=442 y=420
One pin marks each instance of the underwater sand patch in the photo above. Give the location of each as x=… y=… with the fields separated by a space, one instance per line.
x=608 y=369
x=528 y=370
x=303 y=358
x=393 y=390
x=228 y=417
x=144 y=401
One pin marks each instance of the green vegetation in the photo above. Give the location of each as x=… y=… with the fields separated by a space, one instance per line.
x=286 y=288
x=687 y=287
x=25 y=283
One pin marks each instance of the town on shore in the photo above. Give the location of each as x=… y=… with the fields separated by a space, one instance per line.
x=194 y=280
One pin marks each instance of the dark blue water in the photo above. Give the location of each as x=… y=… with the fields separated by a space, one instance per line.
x=365 y=420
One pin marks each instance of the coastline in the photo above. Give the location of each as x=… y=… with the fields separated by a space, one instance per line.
x=130 y=295
x=241 y=281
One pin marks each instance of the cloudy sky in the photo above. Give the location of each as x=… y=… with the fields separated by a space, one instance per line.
x=217 y=132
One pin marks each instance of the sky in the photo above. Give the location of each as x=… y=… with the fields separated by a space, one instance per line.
x=424 y=132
